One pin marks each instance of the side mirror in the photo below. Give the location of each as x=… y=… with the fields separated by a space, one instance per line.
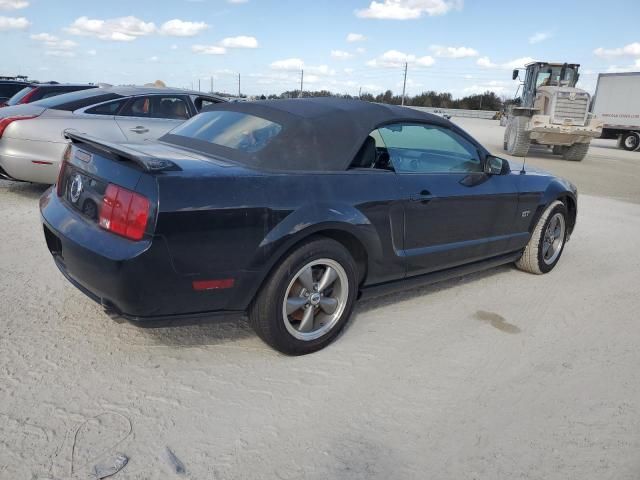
x=496 y=166
x=515 y=73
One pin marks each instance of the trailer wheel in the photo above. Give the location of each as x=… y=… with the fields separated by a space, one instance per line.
x=517 y=138
x=576 y=152
x=630 y=141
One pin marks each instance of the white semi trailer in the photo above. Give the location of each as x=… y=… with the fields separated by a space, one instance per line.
x=617 y=104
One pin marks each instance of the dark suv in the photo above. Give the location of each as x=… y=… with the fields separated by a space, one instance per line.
x=9 y=87
x=39 y=91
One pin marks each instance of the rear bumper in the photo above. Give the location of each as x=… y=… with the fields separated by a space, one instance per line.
x=132 y=280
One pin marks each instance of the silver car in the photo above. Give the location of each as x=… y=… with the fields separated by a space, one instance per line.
x=32 y=140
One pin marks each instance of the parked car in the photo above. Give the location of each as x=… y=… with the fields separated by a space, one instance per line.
x=32 y=139
x=290 y=210
x=39 y=91
x=8 y=88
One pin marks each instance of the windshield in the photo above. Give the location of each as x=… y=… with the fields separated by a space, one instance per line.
x=239 y=131
x=19 y=96
x=552 y=76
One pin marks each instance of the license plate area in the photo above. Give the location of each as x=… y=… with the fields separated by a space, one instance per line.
x=83 y=193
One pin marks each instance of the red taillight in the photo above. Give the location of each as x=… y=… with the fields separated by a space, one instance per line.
x=27 y=98
x=5 y=122
x=124 y=212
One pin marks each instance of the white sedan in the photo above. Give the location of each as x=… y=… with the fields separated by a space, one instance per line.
x=32 y=140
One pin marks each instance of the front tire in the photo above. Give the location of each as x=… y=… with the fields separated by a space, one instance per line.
x=307 y=299
x=517 y=139
x=546 y=245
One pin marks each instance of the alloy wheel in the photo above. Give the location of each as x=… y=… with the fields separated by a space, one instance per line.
x=315 y=299
x=553 y=239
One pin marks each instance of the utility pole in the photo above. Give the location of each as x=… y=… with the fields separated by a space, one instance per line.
x=199 y=85
x=239 y=94
x=301 y=82
x=404 y=85
x=211 y=84
x=360 y=92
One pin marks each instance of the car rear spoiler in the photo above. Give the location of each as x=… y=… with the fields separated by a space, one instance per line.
x=148 y=163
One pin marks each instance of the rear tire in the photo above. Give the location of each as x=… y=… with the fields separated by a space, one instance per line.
x=576 y=152
x=558 y=149
x=547 y=242
x=630 y=141
x=292 y=312
x=517 y=140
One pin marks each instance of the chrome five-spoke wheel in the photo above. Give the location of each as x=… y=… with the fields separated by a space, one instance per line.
x=315 y=299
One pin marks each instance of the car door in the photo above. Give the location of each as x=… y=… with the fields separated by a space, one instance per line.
x=454 y=212
x=151 y=116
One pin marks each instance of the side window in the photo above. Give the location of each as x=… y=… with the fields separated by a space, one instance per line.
x=174 y=108
x=202 y=102
x=110 y=108
x=421 y=148
x=137 y=107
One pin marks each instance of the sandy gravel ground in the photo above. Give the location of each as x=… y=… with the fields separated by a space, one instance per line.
x=499 y=375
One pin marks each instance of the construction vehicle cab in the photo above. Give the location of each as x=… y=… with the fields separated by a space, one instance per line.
x=551 y=112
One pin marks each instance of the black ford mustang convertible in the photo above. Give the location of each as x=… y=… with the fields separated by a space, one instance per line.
x=290 y=210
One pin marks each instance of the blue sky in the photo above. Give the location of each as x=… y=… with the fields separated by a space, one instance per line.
x=450 y=45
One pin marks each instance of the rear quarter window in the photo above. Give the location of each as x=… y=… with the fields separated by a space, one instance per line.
x=75 y=100
x=239 y=131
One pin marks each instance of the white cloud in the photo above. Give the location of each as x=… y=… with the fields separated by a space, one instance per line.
x=13 y=4
x=154 y=59
x=209 y=49
x=486 y=62
x=630 y=50
x=396 y=59
x=288 y=65
x=14 y=23
x=237 y=1
x=54 y=46
x=349 y=71
x=539 y=37
x=407 y=9
x=124 y=29
x=453 y=52
x=322 y=70
x=241 y=41
x=92 y=52
x=479 y=89
x=356 y=37
x=360 y=50
x=174 y=47
x=180 y=28
x=341 y=54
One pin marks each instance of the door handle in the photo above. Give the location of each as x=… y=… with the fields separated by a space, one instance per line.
x=424 y=196
x=139 y=129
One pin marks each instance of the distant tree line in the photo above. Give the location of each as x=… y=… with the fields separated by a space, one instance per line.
x=483 y=101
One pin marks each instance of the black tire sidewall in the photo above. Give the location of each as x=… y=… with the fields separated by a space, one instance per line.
x=542 y=265
x=270 y=299
x=624 y=141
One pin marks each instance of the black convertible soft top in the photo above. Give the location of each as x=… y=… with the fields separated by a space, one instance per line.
x=317 y=133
